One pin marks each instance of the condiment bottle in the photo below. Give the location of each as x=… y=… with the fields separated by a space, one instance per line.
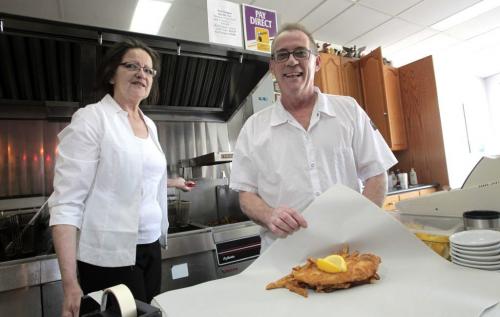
x=394 y=179
x=413 y=177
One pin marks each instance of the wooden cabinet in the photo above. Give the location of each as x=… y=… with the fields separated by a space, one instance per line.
x=396 y=122
x=339 y=76
x=402 y=102
x=382 y=99
x=391 y=200
x=329 y=77
x=419 y=97
x=351 y=79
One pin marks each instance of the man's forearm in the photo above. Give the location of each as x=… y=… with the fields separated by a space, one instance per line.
x=254 y=207
x=376 y=188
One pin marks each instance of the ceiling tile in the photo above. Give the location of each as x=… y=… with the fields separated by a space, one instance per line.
x=432 y=45
x=478 y=25
x=481 y=42
x=288 y=13
x=49 y=9
x=409 y=40
x=390 y=7
x=351 y=24
x=325 y=12
x=386 y=34
x=429 y=12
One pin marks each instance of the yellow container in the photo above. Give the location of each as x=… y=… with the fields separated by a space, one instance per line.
x=432 y=230
x=440 y=244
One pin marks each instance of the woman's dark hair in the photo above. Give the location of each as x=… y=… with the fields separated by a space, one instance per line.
x=112 y=60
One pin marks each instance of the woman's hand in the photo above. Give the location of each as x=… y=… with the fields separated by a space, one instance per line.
x=72 y=300
x=64 y=237
x=181 y=184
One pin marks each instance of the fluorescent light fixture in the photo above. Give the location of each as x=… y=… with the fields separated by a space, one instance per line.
x=467 y=14
x=149 y=15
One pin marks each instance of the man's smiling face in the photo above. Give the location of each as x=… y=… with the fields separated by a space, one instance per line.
x=295 y=76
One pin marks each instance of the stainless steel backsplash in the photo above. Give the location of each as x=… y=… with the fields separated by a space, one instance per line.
x=27 y=152
x=28 y=149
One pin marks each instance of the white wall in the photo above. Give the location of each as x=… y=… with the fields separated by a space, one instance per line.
x=493 y=94
x=467 y=119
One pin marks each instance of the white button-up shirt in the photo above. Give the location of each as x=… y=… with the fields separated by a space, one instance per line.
x=98 y=182
x=286 y=165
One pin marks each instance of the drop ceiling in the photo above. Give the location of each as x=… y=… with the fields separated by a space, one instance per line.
x=402 y=27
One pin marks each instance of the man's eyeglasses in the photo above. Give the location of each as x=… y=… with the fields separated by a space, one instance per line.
x=298 y=53
x=133 y=67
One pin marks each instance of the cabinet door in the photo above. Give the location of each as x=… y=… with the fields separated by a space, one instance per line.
x=409 y=195
x=397 y=129
x=351 y=79
x=390 y=202
x=372 y=77
x=329 y=77
x=427 y=191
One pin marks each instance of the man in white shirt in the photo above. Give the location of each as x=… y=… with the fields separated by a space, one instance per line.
x=291 y=152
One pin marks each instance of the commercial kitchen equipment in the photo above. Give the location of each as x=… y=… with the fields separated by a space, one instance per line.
x=191 y=167
x=478 y=192
x=224 y=244
x=208 y=159
x=189 y=258
x=29 y=274
x=236 y=247
x=198 y=253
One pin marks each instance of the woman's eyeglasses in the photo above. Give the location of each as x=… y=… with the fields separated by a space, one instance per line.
x=298 y=53
x=133 y=67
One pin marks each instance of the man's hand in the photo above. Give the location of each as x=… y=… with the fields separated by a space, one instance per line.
x=284 y=221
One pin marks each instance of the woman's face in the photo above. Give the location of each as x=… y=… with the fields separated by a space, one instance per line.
x=133 y=84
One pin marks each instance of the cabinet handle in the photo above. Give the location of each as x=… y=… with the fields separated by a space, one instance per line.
x=385 y=114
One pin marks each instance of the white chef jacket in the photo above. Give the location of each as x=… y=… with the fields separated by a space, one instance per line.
x=98 y=183
x=286 y=165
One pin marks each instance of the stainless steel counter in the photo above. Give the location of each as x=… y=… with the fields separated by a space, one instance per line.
x=188 y=242
x=45 y=269
x=32 y=287
x=396 y=191
x=29 y=272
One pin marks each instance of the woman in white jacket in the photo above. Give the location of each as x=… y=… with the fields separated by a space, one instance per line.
x=108 y=211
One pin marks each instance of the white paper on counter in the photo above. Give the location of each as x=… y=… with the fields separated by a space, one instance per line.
x=414 y=281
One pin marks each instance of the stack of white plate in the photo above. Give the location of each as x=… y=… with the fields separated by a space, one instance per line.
x=479 y=249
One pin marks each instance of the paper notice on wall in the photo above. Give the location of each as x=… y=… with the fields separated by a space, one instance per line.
x=224 y=23
x=260 y=27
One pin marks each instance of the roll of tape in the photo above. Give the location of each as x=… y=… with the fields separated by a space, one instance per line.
x=125 y=300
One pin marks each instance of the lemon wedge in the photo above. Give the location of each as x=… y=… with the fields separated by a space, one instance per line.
x=332 y=264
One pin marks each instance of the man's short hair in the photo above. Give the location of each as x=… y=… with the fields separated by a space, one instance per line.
x=288 y=27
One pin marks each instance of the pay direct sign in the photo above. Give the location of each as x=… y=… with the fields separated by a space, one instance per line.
x=260 y=27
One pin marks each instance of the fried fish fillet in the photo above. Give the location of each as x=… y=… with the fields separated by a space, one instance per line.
x=361 y=269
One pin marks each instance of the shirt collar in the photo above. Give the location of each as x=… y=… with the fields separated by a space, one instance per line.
x=322 y=104
x=280 y=115
x=115 y=107
x=112 y=104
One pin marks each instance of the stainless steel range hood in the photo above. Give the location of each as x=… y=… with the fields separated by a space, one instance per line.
x=50 y=53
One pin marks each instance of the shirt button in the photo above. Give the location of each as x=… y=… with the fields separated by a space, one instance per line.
x=313 y=165
x=317 y=193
